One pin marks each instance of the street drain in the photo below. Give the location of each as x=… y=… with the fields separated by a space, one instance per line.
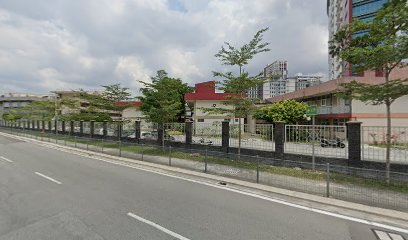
x=222 y=183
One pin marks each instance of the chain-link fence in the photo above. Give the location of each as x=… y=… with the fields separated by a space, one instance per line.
x=374 y=142
x=320 y=140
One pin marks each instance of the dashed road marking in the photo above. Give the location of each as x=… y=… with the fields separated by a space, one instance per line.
x=48 y=178
x=6 y=159
x=157 y=226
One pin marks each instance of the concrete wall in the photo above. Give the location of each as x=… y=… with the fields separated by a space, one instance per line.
x=371 y=115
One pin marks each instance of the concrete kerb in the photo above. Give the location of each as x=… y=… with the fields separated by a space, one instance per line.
x=308 y=200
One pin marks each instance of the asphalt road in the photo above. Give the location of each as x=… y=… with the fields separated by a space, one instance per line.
x=49 y=194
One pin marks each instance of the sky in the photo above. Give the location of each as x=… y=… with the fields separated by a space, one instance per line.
x=50 y=45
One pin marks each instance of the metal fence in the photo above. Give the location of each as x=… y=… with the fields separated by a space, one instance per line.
x=86 y=127
x=128 y=129
x=98 y=128
x=341 y=182
x=373 y=144
x=259 y=136
x=175 y=132
x=207 y=133
x=320 y=140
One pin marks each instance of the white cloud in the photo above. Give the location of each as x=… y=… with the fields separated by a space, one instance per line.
x=89 y=43
x=132 y=70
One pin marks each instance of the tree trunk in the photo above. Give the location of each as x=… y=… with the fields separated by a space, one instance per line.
x=388 y=137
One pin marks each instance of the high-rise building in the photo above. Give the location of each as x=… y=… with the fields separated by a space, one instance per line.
x=305 y=81
x=341 y=12
x=277 y=83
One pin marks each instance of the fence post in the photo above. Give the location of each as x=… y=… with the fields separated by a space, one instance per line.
x=42 y=126
x=170 y=155
x=205 y=159
x=120 y=148
x=137 y=131
x=160 y=135
x=56 y=126
x=49 y=126
x=92 y=128
x=279 y=140
x=354 y=142
x=328 y=180
x=257 y=168
x=72 y=128
x=189 y=133
x=38 y=125
x=119 y=129
x=105 y=128
x=225 y=131
x=63 y=127
x=81 y=128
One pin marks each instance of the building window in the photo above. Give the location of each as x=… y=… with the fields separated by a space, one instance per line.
x=236 y=120
x=200 y=120
x=324 y=102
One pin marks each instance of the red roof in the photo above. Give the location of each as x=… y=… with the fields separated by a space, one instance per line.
x=205 y=91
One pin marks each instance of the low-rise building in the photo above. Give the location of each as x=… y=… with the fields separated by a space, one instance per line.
x=81 y=104
x=205 y=96
x=16 y=101
x=334 y=110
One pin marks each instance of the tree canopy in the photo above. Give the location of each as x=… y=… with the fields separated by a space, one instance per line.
x=288 y=111
x=97 y=106
x=163 y=98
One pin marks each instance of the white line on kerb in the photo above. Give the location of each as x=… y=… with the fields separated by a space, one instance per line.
x=6 y=159
x=155 y=225
x=49 y=178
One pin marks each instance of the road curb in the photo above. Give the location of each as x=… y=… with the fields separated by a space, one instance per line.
x=380 y=212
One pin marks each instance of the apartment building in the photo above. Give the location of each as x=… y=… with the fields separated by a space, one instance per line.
x=342 y=12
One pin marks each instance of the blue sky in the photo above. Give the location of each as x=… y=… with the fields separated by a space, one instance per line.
x=47 y=45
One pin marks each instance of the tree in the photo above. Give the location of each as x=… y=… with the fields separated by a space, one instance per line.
x=288 y=111
x=97 y=106
x=380 y=44
x=39 y=110
x=12 y=115
x=237 y=85
x=163 y=99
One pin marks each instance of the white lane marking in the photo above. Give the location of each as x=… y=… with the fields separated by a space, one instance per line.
x=6 y=159
x=155 y=225
x=49 y=178
x=395 y=236
x=353 y=219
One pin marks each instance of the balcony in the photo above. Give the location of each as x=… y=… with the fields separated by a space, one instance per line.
x=333 y=109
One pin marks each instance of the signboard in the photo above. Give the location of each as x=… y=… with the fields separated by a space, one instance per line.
x=312 y=110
